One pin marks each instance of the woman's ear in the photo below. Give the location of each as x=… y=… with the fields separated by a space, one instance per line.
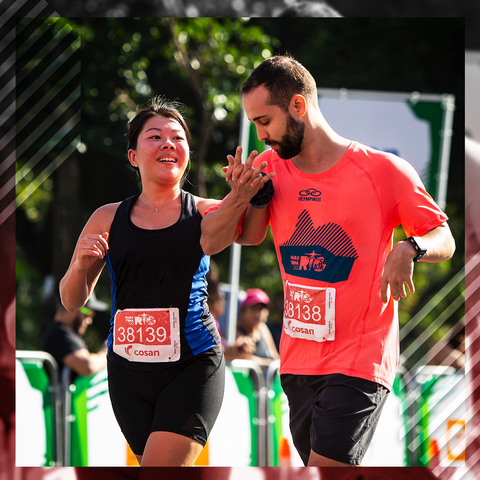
x=132 y=158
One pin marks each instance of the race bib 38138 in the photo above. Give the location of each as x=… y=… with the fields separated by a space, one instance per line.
x=309 y=312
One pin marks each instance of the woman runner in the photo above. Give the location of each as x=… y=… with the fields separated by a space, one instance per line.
x=165 y=361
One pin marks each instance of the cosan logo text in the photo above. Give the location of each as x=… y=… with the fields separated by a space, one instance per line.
x=308 y=331
x=141 y=353
x=310 y=195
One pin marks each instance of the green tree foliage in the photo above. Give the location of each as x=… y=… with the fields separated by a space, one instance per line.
x=202 y=62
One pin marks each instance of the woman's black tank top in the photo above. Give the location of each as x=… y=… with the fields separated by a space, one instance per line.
x=160 y=269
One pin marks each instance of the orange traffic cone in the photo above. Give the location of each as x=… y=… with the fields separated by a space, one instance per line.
x=284 y=453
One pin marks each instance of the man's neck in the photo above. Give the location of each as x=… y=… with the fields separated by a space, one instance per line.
x=321 y=150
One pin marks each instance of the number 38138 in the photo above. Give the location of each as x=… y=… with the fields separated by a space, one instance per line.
x=303 y=312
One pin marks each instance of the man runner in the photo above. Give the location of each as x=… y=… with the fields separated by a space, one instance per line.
x=333 y=209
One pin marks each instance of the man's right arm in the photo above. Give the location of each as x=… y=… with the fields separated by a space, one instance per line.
x=85 y=363
x=255 y=226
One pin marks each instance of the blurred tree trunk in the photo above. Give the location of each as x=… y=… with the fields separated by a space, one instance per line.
x=65 y=215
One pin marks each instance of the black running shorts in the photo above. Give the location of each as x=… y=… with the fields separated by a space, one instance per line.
x=333 y=415
x=183 y=399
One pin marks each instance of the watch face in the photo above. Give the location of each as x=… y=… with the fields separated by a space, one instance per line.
x=422 y=248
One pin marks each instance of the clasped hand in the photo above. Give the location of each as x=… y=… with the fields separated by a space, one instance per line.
x=245 y=180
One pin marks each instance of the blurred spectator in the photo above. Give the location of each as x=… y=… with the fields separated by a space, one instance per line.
x=275 y=319
x=64 y=339
x=449 y=351
x=254 y=340
x=313 y=8
x=216 y=297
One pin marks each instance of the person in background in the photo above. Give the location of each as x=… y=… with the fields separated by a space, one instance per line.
x=254 y=340
x=450 y=350
x=216 y=297
x=63 y=339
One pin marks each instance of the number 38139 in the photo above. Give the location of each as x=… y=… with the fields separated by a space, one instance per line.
x=141 y=335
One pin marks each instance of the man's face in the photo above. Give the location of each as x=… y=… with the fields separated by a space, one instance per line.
x=81 y=323
x=279 y=130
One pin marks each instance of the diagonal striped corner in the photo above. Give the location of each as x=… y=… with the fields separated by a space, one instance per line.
x=26 y=25
x=465 y=399
x=454 y=401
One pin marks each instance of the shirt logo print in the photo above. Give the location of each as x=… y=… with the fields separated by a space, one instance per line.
x=325 y=253
x=310 y=194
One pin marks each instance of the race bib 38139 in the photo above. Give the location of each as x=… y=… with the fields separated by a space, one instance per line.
x=147 y=335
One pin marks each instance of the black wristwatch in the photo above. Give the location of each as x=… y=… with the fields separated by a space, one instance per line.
x=419 y=246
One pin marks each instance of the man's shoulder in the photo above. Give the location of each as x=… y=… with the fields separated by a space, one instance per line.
x=380 y=162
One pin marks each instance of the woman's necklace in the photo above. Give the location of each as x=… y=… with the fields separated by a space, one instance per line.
x=159 y=208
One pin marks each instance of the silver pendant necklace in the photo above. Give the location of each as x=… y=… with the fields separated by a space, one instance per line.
x=159 y=208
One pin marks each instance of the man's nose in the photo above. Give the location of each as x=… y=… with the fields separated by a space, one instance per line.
x=261 y=133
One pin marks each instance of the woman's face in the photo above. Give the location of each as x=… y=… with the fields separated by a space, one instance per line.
x=254 y=314
x=162 y=151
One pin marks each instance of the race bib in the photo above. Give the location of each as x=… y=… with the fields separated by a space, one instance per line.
x=309 y=312
x=147 y=335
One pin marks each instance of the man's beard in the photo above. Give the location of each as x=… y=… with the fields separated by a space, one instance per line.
x=291 y=143
x=77 y=324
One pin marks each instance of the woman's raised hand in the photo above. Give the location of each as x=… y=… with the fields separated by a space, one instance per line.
x=91 y=248
x=245 y=173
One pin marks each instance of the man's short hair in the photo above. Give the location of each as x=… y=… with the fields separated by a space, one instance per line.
x=310 y=9
x=283 y=77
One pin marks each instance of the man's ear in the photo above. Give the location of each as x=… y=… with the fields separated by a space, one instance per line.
x=299 y=105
